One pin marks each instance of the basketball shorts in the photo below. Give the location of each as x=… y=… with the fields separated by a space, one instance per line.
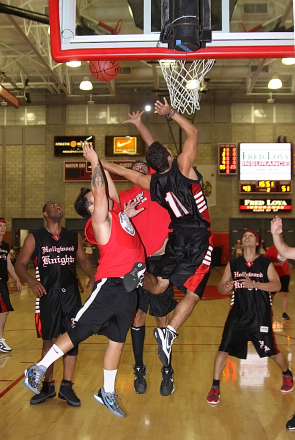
x=285 y=281
x=56 y=309
x=108 y=311
x=236 y=336
x=5 y=304
x=187 y=259
x=158 y=305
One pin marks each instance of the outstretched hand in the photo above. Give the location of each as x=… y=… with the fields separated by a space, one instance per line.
x=130 y=208
x=88 y=152
x=162 y=109
x=135 y=118
x=276 y=226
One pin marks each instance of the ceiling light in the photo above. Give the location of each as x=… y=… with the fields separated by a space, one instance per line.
x=275 y=83
x=86 y=84
x=288 y=61
x=48 y=30
x=148 y=108
x=192 y=84
x=73 y=63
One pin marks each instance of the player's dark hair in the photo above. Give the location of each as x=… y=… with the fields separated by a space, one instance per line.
x=44 y=207
x=157 y=157
x=80 y=204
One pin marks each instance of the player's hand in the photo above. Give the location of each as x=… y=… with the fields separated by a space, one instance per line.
x=19 y=286
x=88 y=152
x=162 y=109
x=134 y=118
x=90 y=284
x=247 y=283
x=37 y=288
x=276 y=226
x=130 y=208
x=228 y=286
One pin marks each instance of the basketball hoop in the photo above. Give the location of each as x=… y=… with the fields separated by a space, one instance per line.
x=183 y=81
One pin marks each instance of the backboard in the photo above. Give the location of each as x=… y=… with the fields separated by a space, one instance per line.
x=96 y=30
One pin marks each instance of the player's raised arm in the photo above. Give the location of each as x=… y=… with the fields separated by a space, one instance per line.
x=135 y=119
x=190 y=147
x=133 y=176
x=283 y=249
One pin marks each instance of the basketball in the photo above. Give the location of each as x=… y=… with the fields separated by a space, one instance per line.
x=104 y=70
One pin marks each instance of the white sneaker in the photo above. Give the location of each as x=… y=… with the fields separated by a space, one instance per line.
x=3 y=346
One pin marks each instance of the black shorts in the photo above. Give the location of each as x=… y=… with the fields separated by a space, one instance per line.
x=57 y=308
x=285 y=281
x=187 y=259
x=108 y=311
x=5 y=304
x=236 y=336
x=159 y=305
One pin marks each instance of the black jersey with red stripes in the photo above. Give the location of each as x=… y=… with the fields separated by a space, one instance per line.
x=54 y=258
x=182 y=197
x=4 y=251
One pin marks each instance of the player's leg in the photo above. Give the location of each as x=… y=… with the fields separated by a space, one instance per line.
x=280 y=360
x=155 y=285
x=66 y=391
x=4 y=348
x=48 y=385
x=167 y=386
x=284 y=299
x=137 y=336
x=107 y=395
x=219 y=364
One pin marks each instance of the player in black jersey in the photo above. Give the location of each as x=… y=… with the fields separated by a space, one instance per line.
x=5 y=268
x=251 y=278
x=175 y=186
x=54 y=251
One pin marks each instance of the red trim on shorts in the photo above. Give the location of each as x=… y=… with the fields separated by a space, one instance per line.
x=37 y=318
x=3 y=306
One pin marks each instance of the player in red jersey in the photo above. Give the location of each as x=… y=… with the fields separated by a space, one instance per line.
x=175 y=186
x=153 y=218
x=110 y=308
x=251 y=278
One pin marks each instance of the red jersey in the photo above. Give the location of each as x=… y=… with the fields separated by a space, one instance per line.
x=123 y=249
x=273 y=254
x=152 y=223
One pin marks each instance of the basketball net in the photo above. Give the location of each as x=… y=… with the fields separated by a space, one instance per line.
x=183 y=81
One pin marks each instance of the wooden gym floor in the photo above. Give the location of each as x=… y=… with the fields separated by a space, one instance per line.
x=251 y=406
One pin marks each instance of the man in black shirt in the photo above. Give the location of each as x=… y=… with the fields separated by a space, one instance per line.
x=54 y=251
x=5 y=268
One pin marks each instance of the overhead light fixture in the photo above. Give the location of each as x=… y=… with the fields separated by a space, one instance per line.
x=288 y=61
x=275 y=83
x=192 y=84
x=48 y=30
x=148 y=108
x=73 y=63
x=86 y=84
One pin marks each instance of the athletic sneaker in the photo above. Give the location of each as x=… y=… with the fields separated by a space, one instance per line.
x=110 y=401
x=33 y=377
x=287 y=386
x=67 y=393
x=164 y=338
x=3 y=346
x=139 y=384
x=291 y=423
x=135 y=277
x=285 y=317
x=213 y=396
x=167 y=385
x=47 y=392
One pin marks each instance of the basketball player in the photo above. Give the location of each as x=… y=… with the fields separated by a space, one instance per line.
x=153 y=218
x=110 y=308
x=251 y=277
x=54 y=251
x=285 y=251
x=175 y=186
x=5 y=268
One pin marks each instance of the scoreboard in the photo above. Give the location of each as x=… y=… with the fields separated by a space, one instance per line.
x=227 y=159
x=266 y=186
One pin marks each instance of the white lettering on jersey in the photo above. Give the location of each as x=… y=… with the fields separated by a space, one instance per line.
x=47 y=260
x=264 y=329
x=140 y=198
x=126 y=224
x=173 y=202
x=46 y=249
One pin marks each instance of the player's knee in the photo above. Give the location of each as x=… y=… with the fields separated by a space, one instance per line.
x=79 y=334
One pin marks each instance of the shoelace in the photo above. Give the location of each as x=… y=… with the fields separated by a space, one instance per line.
x=140 y=374
x=167 y=376
x=113 y=398
x=37 y=378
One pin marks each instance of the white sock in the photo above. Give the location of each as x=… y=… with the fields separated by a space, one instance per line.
x=109 y=380
x=171 y=328
x=53 y=354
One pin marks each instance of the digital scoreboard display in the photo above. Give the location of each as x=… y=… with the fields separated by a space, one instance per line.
x=265 y=168
x=227 y=159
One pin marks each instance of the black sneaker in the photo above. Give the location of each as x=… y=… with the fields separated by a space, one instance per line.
x=167 y=385
x=164 y=338
x=135 y=277
x=291 y=423
x=67 y=393
x=47 y=392
x=285 y=317
x=139 y=384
